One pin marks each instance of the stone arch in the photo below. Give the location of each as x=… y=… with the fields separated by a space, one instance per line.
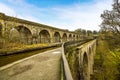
x=25 y=35
x=73 y=37
x=64 y=37
x=14 y=35
x=44 y=36
x=85 y=67
x=70 y=37
x=57 y=37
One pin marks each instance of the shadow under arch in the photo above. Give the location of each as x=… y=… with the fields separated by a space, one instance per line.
x=57 y=37
x=44 y=36
x=77 y=37
x=64 y=37
x=25 y=34
x=70 y=37
x=85 y=74
x=73 y=37
x=14 y=35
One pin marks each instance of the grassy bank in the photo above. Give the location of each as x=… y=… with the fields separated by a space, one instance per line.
x=14 y=47
x=107 y=62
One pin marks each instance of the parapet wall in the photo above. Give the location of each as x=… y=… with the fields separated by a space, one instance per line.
x=71 y=55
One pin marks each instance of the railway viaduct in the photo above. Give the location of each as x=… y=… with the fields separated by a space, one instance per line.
x=29 y=32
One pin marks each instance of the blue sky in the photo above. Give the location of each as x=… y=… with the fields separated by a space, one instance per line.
x=64 y=14
x=52 y=3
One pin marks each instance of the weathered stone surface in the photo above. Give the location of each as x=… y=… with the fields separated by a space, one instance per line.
x=34 y=30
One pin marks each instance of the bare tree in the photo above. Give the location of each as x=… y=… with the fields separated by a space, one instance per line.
x=111 y=19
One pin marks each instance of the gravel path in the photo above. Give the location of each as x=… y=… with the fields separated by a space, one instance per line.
x=43 y=66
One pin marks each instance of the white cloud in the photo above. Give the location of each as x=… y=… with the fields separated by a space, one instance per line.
x=21 y=9
x=85 y=16
x=7 y=10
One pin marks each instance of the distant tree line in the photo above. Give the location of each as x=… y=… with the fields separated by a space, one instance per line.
x=86 y=33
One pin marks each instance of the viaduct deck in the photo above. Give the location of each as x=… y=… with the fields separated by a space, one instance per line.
x=43 y=66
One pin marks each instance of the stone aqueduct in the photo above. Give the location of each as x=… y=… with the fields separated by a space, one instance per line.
x=79 y=61
x=85 y=55
x=30 y=32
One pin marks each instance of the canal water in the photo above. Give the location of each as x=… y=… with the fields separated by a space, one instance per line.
x=7 y=59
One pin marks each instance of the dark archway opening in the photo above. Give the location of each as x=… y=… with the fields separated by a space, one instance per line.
x=85 y=67
x=44 y=36
x=64 y=38
x=57 y=37
x=73 y=37
x=14 y=35
x=25 y=35
x=70 y=37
